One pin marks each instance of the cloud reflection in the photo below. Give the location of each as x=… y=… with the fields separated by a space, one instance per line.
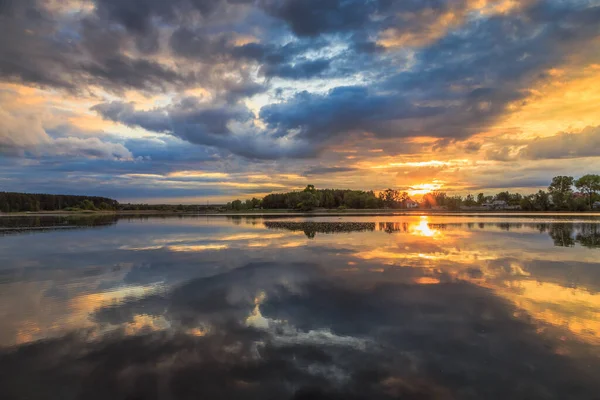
x=479 y=308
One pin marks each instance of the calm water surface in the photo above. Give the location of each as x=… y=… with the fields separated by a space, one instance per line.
x=411 y=307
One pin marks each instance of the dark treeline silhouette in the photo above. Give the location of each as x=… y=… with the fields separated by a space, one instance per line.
x=168 y=207
x=327 y=198
x=560 y=196
x=19 y=202
x=16 y=202
x=311 y=198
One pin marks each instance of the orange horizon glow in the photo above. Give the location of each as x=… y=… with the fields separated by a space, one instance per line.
x=424 y=188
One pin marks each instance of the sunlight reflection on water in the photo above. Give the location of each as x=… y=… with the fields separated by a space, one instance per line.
x=326 y=298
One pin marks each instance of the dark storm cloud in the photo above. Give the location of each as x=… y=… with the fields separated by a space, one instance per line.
x=123 y=71
x=204 y=124
x=300 y=70
x=44 y=47
x=149 y=155
x=115 y=187
x=313 y=17
x=490 y=62
x=136 y=15
x=142 y=18
x=342 y=110
x=168 y=153
x=42 y=50
x=285 y=61
x=512 y=50
x=453 y=82
x=32 y=49
x=316 y=17
x=201 y=45
x=188 y=119
x=62 y=51
x=154 y=120
x=564 y=145
x=76 y=174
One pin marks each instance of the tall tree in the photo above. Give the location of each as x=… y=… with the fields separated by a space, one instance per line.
x=403 y=198
x=454 y=202
x=308 y=200
x=440 y=198
x=503 y=196
x=237 y=205
x=480 y=198
x=589 y=184
x=561 y=190
x=390 y=197
x=541 y=201
x=469 y=200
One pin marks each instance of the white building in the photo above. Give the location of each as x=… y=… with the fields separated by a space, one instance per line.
x=412 y=204
x=495 y=205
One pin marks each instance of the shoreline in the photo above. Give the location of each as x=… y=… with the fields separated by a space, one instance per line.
x=320 y=213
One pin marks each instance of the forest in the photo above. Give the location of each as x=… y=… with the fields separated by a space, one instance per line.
x=560 y=196
x=20 y=202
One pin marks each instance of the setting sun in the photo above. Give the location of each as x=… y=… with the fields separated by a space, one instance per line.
x=423 y=188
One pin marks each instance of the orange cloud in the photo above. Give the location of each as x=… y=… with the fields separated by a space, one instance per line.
x=431 y=25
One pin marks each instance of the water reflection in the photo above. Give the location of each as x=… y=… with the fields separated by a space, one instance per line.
x=563 y=234
x=20 y=225
x=402 y=307
x=567 y=235
x=310 y=228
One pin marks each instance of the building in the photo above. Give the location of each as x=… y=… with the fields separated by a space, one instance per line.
x=412 y=204
x=495 y=205
x=596 y=205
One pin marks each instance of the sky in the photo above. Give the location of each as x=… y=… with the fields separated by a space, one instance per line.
x=194 y=101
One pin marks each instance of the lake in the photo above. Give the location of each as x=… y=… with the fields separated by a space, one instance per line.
x=292 y=307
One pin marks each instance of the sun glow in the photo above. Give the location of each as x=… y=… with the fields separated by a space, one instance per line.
x=197 y=248
x=424 y=188
x=423 y=229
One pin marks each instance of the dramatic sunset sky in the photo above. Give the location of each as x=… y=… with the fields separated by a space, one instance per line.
x=208 y=100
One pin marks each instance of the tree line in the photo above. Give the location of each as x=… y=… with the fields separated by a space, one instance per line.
x=560 y=196
x=183 y=208
x=311 y=198
x=18 y=202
